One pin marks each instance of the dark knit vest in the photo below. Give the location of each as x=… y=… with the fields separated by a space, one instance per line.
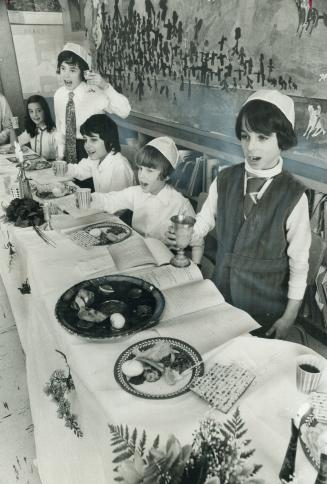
x=252 y=269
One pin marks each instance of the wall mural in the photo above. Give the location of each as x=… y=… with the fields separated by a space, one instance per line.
x=195 y=62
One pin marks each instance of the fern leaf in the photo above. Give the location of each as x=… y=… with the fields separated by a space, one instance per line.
x=133 y=439
x=240 y=426
x=126 y=433
x=238 y=435
x=141 y=446
x=120 y=448
x=246 y=442
x=156 y=442
x=247 y=454
x=229 y=427
x=123 y=456
x=121 y=431
x=116 y=440
x=256 y=468
x=113 y=428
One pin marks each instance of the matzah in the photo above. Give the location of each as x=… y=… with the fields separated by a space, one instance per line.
x=223 y=385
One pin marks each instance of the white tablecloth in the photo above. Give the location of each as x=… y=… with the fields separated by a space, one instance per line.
x=266 y=407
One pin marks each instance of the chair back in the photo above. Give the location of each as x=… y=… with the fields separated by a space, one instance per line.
x=316 y=257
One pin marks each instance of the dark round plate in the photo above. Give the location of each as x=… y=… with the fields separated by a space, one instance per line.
x=160 y=390
x=310 y=429
x=118 y=232
x=139 y=302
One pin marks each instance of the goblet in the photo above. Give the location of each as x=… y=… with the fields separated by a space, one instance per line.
x=183 y=226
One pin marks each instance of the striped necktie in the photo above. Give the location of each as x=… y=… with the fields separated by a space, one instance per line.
x=253 y=186
x=70 y=144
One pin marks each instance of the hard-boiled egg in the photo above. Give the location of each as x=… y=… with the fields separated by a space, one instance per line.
x=132 y=368
x=117 y=320
x=95 y=232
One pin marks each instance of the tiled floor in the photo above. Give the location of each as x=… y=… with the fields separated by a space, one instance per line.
x=17 y=450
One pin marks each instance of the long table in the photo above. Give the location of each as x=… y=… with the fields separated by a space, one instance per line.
x=98 y=401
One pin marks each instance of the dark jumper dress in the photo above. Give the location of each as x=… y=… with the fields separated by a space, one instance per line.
x=252 y=268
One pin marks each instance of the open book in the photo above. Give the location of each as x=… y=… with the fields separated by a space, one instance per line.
x=195 y=307
x=134 y=252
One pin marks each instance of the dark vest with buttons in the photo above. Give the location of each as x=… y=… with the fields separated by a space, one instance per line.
x=252 y=269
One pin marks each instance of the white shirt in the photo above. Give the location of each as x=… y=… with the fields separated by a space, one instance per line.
x=111 y=174
x=151 y=213
x=298 y=236
x=5 y=117
x=88 y=100
x=44 y=143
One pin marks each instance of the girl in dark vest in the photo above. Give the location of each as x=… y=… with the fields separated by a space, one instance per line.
x=261 y=216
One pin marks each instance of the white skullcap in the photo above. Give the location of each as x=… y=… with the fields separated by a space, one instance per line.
x=78 y=50
x=167 y=148
x=284 y=103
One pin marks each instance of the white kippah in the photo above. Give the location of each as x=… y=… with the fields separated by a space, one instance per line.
x=78 y=50
x=284 y=103
x=167 y=147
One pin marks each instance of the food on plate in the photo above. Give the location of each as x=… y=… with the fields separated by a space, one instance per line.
x=315 y=438
x=95 y=232
x=106 y=288
x=132 y=368
x=117 y=321
x=143 y=311
x=108 y=233
x=135 y=293
x=113 y=306
x=159 y=350
x=83 y=298
x=114 y=234
x=152 y=375
x=159 y=361
x=58 y=191
x=92 y=315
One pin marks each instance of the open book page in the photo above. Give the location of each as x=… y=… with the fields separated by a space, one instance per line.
x=189 y=298
x=99 y=264
x=168 y=276
x=209 y=327
x=136 y=252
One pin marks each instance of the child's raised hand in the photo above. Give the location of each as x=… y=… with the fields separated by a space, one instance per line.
x=95 y=79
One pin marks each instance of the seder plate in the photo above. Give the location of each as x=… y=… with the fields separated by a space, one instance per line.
x=140 y=303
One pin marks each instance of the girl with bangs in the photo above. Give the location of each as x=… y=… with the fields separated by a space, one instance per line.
x=40 y=130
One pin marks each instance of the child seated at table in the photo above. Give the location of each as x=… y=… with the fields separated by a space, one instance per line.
x=109 y=169
x=153 y=202
x=40 y=130
x=261 y=217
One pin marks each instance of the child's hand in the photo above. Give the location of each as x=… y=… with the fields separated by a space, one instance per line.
x=95 y=79
x=170 y=237
x=280 y=328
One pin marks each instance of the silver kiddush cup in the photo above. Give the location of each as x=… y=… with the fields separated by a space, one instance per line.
x=183 y=226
